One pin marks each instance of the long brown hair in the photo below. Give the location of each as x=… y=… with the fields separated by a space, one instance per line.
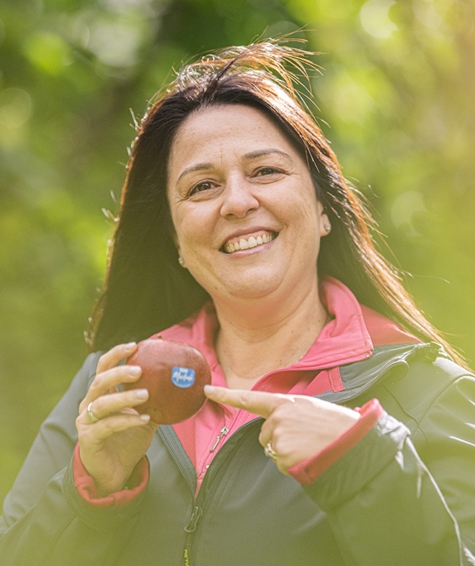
x=146 y=290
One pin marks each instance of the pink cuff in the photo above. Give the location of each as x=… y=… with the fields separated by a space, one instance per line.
x=86 y=487
x=308 y=471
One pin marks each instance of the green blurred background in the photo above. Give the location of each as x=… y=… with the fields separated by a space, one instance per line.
x=396 y=99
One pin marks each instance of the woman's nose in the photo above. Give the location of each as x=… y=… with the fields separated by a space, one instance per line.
x=238 y=197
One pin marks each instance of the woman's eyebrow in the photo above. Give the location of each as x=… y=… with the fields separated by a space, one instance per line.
x=192 y=168
x=262 y=152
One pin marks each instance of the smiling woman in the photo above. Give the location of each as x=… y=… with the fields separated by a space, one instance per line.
x=336 y=420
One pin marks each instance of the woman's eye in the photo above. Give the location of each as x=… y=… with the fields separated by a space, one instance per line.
x=267 y=171
x=203 y=186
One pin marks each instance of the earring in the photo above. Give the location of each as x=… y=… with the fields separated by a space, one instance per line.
x=181 y=261
x=327 y=227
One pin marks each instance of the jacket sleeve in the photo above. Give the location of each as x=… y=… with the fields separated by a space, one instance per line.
x=44 y=519
x=401 y=498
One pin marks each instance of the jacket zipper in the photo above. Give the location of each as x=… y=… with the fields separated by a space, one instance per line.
x=200 y=504
x=224 y=431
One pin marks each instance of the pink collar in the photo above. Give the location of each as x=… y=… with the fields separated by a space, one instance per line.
x=349 y=337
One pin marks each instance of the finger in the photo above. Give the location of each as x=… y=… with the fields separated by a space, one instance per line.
x=266 y=434
x=277 y=459
x=114 y=403
x=118 y=422
x=257 y=402
x=115 y=355
x=282 y=415
x=109 y=380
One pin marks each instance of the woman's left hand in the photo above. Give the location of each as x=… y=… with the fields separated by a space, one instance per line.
x=297 y=427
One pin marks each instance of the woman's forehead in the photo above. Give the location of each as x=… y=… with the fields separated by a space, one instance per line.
x=216 y=129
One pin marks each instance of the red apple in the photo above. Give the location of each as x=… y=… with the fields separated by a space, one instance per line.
x=174 y=374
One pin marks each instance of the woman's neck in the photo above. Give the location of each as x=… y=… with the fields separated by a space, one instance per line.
x=260 y=337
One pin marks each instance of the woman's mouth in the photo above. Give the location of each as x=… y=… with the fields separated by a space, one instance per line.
x=249 y=241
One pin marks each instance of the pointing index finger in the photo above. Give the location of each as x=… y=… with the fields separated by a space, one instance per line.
x=257 y=402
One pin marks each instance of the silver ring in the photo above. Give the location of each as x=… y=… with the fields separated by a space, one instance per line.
x=91 y=415
x=269 y=451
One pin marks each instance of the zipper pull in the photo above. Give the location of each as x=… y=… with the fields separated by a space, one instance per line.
x=224 y=432
x=189 y=529
x=195 y=517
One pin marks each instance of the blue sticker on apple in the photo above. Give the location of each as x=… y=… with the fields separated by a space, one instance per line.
x=183 y=377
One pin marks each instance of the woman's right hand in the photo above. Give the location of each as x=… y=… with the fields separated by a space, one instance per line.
x=111 y=447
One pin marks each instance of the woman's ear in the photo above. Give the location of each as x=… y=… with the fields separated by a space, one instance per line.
x=325 y=224
x=181 y=261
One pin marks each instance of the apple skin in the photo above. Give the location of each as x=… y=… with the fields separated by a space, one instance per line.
x=175 y=374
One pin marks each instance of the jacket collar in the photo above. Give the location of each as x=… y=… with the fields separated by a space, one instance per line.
x=390 y=361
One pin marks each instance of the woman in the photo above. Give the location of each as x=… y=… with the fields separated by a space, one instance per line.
x=363 y=444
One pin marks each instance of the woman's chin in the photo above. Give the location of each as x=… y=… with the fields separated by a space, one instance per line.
x=251 y=282
x=249 y=288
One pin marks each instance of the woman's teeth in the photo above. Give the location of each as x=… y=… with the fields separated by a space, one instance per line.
x=248 y=242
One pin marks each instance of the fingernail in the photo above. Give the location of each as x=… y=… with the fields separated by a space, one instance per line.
x=130 y=345
x=141 y=393
x=209 y=389
x=134 y=371
x=145 y=418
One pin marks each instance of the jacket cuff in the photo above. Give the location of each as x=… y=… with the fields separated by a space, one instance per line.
x=309 y=470
x=86 y=487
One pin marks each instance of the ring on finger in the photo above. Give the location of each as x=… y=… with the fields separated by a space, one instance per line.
x=91 y=415
x=270 y=452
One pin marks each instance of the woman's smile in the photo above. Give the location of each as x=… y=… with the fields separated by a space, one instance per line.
x=248 y=241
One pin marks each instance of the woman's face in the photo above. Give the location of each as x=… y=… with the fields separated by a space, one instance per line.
x=247 y=221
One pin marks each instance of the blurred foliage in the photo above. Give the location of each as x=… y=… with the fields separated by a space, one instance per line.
x=396 y=100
